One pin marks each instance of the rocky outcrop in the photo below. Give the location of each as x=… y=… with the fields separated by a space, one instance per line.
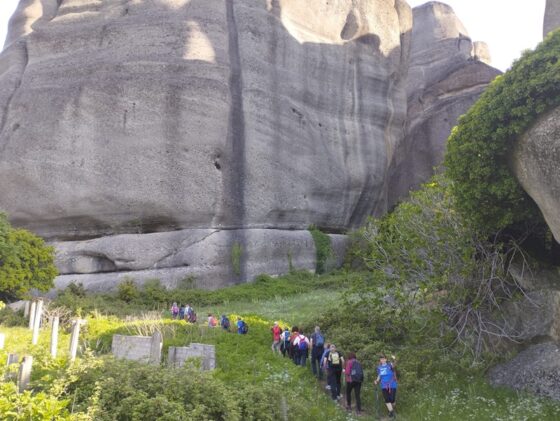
x=448 y=72
x=130 y=129
x=226 y=116
x=551 y=16
x=536 y=369
x=206 y=256
x=531 y=321
x=535 y=165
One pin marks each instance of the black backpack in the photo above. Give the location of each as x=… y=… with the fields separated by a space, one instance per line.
x=357 y=373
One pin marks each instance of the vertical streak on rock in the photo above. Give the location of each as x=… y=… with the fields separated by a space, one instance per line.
x=235 y=188
x=364 y=203
x=234 y=180
x=22 y=59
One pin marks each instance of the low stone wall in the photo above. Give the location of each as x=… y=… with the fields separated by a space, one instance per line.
x=138 y=348
x=178 y=355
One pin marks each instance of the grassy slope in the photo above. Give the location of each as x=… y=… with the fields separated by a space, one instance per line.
x=447 y=395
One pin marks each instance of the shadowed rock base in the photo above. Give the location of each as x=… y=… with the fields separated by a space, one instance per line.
x=213 y=258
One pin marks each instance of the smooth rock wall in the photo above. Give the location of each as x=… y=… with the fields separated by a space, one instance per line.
x=129 y=129
x=448 y=72
x=207 y=256
x=551 y=16
x=534 y=163
x=164 y=115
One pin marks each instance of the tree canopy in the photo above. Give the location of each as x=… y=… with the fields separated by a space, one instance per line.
x=25 y=262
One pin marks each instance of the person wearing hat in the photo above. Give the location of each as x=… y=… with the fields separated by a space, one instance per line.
x=387 y=378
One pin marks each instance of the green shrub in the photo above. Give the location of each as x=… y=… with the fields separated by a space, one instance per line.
x=154 y=293
x=8 y=317
x=479 y=147
x=236 y=253
x=428 y=265
x=127 y=290
x=28 y=406
x=76 y=289
x=323 y=249
x=25 y=262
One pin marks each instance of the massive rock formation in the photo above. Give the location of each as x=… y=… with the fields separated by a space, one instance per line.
x=447 y=74
x=551 y=16
x=150 y=138
x=536 y=154
x=535 y=164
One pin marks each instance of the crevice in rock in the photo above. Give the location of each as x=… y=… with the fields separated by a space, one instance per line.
x=180 y=247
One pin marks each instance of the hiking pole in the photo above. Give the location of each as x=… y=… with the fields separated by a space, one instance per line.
x=377 y=411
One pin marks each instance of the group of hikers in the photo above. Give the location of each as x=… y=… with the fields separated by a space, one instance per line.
x=182 y=312
x=325 y=357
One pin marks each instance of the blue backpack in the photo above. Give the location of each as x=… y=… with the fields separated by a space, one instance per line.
x=225 y=323
x=302 y=345
x=244 y=328
x=319 y=340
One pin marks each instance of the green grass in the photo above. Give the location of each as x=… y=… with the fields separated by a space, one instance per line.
x=293 y=309
x=246 y=364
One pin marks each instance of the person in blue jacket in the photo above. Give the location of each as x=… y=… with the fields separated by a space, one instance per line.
x=242 y=327
x=387 y=378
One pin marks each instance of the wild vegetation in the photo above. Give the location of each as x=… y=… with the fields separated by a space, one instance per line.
x=25 y=262
x=426 y=282
x=479 y=147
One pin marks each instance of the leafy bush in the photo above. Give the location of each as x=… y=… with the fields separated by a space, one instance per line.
x=323 y=249
x=428 y=265
x=25 y=262
x=236 y=253
x=28 y=406
x=479 y=147
x=127 y=290
x=8 y=317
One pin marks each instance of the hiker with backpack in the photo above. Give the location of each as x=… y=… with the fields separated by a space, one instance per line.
x=174 y=310
x=285 y=344
x=323 y=365
x=293 y=350
x=224 y=322
x=276 y=333
x=182 y=312
x=354 y=376
x=317 y=341
x=242 y=327
x=334 y=361
x=387 y=378
x=190 y=315
x=301 y=344
x=212 y=322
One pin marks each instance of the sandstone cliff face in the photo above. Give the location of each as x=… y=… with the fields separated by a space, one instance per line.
x=229 y=116
x=148 y=138
x=535 y=165
x=551 y=16
x=447 y=74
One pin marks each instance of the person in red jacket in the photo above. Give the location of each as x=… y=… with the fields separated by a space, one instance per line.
x=276 y=332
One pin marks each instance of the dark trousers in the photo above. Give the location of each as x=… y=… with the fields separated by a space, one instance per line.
x=334 y=375
x=284 y=346
x=357 y=386
x=302 y=358
x=316 y=354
